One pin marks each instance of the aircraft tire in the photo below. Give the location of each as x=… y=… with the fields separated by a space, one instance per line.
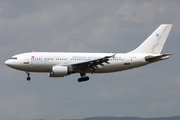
x=79 y=80
x=87 y=78
x=28 y=78
x=83 y=79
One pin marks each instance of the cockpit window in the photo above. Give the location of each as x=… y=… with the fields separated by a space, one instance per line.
x=14 y=58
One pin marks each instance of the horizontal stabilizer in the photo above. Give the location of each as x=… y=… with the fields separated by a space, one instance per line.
x=151 y=58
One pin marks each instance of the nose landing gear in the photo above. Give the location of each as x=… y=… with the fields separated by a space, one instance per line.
x=28 y=78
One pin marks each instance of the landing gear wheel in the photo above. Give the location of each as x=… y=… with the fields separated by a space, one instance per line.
x=83 y=79
x=79 y=80
x=87 y=78
x=28 y=78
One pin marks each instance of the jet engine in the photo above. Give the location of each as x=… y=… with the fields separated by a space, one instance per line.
x=60 y=71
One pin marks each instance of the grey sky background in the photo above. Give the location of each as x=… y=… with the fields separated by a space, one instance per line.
x=88 y=26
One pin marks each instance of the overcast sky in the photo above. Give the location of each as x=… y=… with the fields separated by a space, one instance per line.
x=88 y=26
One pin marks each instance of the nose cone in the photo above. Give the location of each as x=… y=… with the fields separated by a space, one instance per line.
x=7 y=62
x=11 y=63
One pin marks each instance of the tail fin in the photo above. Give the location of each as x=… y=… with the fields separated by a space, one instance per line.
x=155 y=42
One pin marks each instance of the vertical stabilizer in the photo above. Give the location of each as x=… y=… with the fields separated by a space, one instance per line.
x=155 y=42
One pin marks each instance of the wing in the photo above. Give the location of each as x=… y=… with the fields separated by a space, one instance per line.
x=92 y=64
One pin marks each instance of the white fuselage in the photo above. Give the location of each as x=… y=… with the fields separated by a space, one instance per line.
x=60 y=64
x=44 y=61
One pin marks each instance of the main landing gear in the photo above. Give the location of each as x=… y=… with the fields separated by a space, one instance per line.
x=28 y=78
x=83 y=77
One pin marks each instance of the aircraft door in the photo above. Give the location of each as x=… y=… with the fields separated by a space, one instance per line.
x=26 y=60
x=127 y=60
x=68 y=60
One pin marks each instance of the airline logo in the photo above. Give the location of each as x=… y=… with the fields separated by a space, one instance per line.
x=157 y=34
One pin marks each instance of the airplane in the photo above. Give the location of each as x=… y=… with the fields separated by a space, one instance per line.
x=60 y=64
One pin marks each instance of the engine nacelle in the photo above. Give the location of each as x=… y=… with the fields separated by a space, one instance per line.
x=59 y=71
